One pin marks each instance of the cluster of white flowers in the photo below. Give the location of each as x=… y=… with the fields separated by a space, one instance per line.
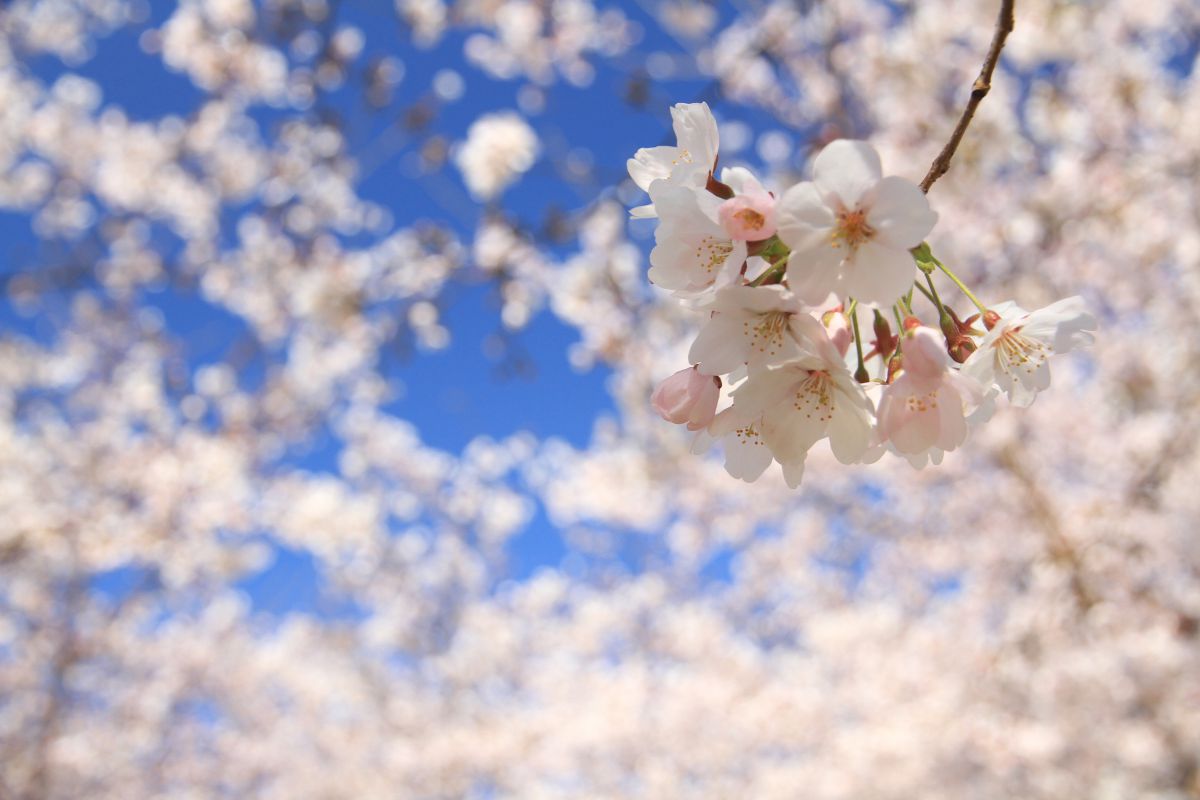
x=499 y=148
x=783 y=281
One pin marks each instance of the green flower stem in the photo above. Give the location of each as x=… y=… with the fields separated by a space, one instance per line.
x=773 y=274
x=861 y=375
x=962 y=286
x=925 y=292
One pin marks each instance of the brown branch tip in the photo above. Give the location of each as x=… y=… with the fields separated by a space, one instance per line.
x=979 y=90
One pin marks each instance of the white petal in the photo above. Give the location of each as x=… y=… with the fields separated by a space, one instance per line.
x=877 y=274
x=791 y=434
x=900 y=213
x=720 y=347
x=793 y=473
x=746 y=456
x=813 y=276
x=849 y=431
x=742 y=181
x=1026 y=380
x=650 y=164
x=696 y=133
x=981 y=365
x=803 y=220
x=725 y=423
x=847 y=170
x=987 y=407
x=763 y=391
x=1065 y=325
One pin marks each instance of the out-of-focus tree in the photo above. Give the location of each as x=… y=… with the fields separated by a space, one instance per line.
x=1022 y=622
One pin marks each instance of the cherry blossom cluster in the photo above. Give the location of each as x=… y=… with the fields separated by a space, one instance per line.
x=784 y=281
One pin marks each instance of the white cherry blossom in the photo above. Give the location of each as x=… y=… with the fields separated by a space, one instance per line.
x=746 y=453
x=1015 y=353
x=499 y=148
x=693 y=253
x=850 y=229
x=694 y=152
x=807 y=399
x=756 y=326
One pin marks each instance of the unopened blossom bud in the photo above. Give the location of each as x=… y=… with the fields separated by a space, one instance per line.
x=838 y=328
x=749 y=217
x=960 y=349
x=688 y=397
x=885 y=343
x=959 y=343
x=924 y=351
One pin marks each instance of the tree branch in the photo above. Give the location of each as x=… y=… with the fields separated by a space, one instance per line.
x=979 y=90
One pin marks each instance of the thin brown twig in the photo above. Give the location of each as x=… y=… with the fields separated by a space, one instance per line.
x=979 y=90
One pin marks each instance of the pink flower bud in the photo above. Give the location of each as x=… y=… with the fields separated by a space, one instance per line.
x=749 y=217
x=687 y=397
x=838 y=328
x=924 y=352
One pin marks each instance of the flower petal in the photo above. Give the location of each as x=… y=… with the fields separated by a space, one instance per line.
x=849 y=431
x=793 y=473
x=900 y=213
x=813 y=276
x=746 y=456
x=719 y=348
x=877 y=274
x=848 y=170
x=650 y=164
x=762 y=391
x=802 y=219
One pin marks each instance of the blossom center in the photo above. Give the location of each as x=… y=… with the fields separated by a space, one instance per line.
x=1015 y=351
x=765 y=331
x=852 y=229
x=919 y=404
x=712 y=252
x=748 y=435
x=814 y=396
x=751 y=219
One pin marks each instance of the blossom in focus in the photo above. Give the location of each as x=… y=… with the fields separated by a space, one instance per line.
x=1015 y=353
x=755 y=326
x=805 y=400
x=692 y=251
x=926 y=407
x=689 y=397
x=694 y=153
x=750 y=214
x=499 y=148
x=850 y=228
x=746 y=454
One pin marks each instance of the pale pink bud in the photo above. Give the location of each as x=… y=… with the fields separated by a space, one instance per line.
x=838 y=328
x=748 y=217
x=687 y=397
x=925 y=353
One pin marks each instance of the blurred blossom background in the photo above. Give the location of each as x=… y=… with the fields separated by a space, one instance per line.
x=327 y=467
